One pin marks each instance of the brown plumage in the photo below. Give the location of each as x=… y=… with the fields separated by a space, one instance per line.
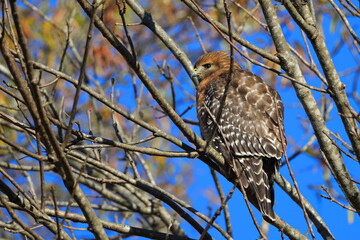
x=249 y=131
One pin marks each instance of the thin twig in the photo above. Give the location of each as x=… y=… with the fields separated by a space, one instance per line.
x=303 y=149
x=197 y=34
x=42 y=174
x=169 y=77
x=346 y=22
x=332 y=199
x=147 y=150
x=263 y=25
x=218 y=212
x=223 y=202
x=122 y=12
x=81 y=77
x=67 y=42
x=341 y=150
x=58 y=226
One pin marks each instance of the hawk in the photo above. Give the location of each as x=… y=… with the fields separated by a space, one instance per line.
x=245 y=126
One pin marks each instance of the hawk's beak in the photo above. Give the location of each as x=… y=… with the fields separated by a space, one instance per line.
x=195 y=73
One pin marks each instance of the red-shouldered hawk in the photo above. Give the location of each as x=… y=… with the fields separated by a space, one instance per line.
x=249 y=130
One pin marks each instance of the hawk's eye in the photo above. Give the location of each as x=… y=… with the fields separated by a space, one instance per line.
x=207 y=65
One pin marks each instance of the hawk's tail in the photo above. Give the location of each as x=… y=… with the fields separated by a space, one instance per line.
x=257 y=178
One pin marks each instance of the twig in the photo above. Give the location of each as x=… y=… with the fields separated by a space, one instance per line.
x=337 y=136
x=67 y=42
x=168 y=76
x=223 y=202
x=119 y=134
x=346 y=22
x=147 y=150
x=58 y=226
x=250 y=14
x=187 y=109
x=197 y=34
x=42 y=174
x=311 y=66
x=218 y=212
x=122 y=11
x=338 y=147
x=303 y=149
x=81 y=77
x=302 y=204
x=332 y=199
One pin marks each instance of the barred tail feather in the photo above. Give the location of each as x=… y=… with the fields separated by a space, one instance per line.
x=257 y=183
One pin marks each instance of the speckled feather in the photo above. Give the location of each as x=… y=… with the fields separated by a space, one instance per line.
x=250 y=126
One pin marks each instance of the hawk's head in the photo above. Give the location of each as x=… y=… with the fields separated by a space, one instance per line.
x=212 y=63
